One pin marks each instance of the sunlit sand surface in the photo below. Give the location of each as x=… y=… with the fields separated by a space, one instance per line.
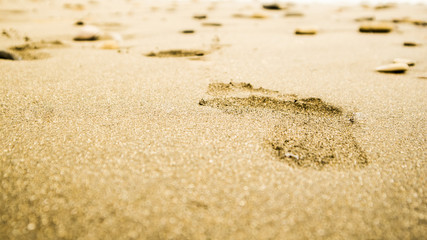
x=204 y=120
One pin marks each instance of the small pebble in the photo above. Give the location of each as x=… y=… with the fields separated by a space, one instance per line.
x=258 y=16
x=88 y=33
x=410 y=44
x=406 y=61
x=79 y=23
x=393 y=68
x=377 y=27
x=200 y=16
x=8 y=56
x=306 y=31
x=273 y=6
x=188 y=31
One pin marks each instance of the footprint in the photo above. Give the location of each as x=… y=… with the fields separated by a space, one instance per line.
x=190 y=53
x=177 y=53
x=310 y=133
x=31 y=51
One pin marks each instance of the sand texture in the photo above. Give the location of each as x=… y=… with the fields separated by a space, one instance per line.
x=211 y=120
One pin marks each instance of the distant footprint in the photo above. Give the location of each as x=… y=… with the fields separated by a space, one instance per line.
x=177 y=53
x=310 y=134
x=190 y=53
x=31 y=51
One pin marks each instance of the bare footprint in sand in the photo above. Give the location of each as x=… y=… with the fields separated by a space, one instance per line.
x=310 y=133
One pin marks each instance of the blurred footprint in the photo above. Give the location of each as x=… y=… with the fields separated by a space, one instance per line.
x=31 y=51
x=177 y=53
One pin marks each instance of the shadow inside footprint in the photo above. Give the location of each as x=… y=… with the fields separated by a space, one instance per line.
x=311 y=133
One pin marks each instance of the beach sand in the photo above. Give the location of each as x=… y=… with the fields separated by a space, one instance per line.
x=239 y=130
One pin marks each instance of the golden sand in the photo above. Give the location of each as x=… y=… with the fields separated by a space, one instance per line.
x=266 y=135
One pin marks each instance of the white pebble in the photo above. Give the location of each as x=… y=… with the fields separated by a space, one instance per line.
x=88 y=33
x=393 y=68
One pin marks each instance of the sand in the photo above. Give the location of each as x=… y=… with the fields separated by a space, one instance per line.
x=239 y=130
